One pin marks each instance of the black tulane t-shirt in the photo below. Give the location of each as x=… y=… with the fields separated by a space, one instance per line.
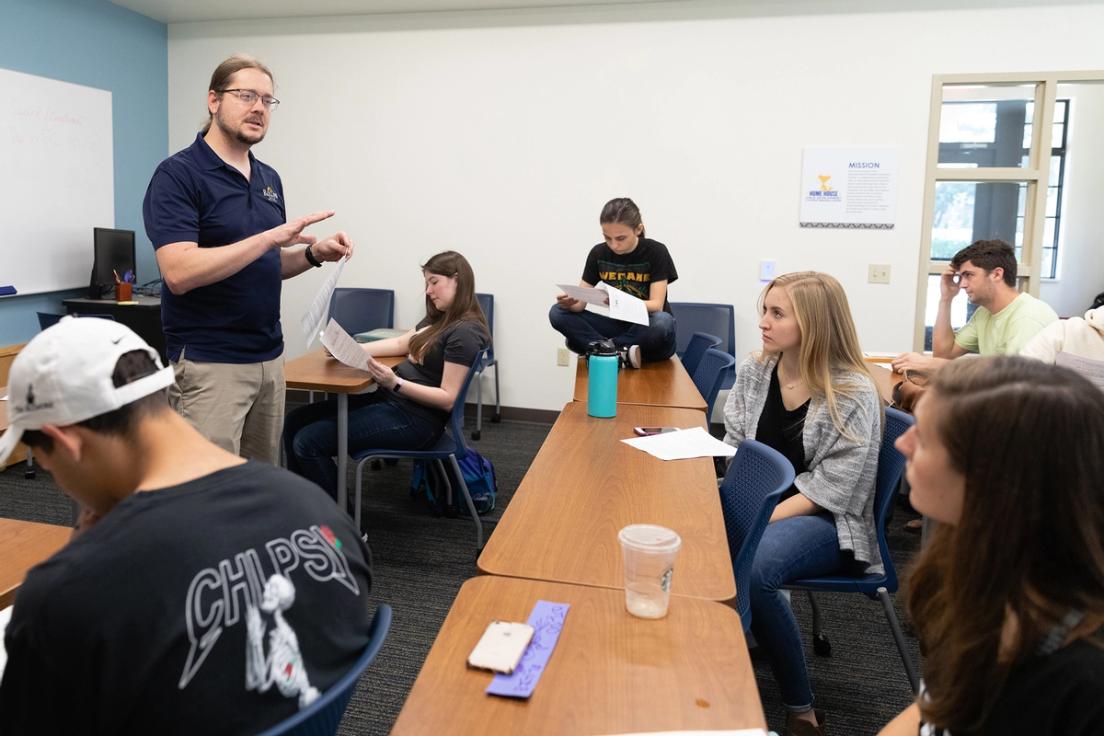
x=219 y=606
x=633 y=272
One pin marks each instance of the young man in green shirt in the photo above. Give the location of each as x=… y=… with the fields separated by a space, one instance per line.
x=1004 y=321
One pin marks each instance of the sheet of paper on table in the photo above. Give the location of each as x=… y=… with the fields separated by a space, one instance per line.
x=343 y=347
x=312 y=320
x=5 y=617
x=682 y=445
x=880 y=356
x=622 y=306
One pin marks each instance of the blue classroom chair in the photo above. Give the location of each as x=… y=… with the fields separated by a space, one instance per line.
x=323 y=716
x=360 y=310
x=449 y=447
x=712 y=319
x=695 y=350
x=891 y=464
x=710 y=375
x=755 y=479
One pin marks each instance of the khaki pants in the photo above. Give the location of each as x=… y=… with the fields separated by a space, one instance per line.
x=239 y=407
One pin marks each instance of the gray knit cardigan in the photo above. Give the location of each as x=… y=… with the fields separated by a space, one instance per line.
x=841 y=472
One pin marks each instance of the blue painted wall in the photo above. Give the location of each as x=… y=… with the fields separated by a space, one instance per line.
x=94 y=43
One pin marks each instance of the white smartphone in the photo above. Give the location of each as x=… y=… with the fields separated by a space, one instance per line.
x=501 y=646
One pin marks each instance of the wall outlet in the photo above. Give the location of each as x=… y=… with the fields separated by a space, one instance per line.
x=563 y=356
x=878 y=273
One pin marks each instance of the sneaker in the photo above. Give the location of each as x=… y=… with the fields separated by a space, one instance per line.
x=630 y=356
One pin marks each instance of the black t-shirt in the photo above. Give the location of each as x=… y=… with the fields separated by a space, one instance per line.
x=633 y=272
x=459 y=343
x=212 y=607
x=1061 y=693
x=781 y=429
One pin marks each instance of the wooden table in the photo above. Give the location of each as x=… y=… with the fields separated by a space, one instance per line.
x=585 y=485
x=610 y=672
x=24 y=544
x=664 y=383
x=316 y=371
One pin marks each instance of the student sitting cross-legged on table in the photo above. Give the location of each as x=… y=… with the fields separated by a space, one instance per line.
x=202 y=593
x=637 y=265
x=809 y=396
x=1007 y=598
x=410 y=409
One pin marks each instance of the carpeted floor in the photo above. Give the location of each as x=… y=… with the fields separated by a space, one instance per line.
x=421 y=561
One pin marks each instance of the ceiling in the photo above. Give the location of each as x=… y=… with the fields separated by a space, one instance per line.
x=174 y=11
x=181 y=11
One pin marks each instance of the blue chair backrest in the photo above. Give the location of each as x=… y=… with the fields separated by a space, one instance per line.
x=712 y=319
x=891 y=464
x=695 y=350
x=456 y=418
x=756 y=477
x=486 y=303
x=360 y=310
x=323 y=716
x=711 y=372
x=45 y=319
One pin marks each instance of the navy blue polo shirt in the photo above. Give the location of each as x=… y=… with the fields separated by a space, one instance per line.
x=195 y=196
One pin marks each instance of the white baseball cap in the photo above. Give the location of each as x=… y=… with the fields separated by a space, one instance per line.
x=63 y=376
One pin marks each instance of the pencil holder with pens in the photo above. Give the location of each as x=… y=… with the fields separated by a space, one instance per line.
x=602 y=366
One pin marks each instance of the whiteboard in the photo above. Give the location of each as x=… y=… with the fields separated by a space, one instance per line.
x=56 y=181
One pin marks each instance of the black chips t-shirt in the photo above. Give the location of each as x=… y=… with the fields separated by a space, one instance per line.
x=219 y=606
x=633 y=272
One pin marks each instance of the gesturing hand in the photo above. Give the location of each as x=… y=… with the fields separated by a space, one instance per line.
x=912 y=362
x=291 y=233
x=333 y=248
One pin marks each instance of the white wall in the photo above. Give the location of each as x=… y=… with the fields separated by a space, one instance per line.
x=1081 y=240
x=501 y=134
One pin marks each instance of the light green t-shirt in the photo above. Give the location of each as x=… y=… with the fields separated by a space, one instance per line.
x=1007 y=331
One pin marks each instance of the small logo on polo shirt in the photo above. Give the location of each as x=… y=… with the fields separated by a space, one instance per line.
x=270 y=194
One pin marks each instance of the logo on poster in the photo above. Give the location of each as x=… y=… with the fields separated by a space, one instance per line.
x=825 y=192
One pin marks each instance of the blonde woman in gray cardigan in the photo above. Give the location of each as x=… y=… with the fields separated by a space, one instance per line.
x=809 y=395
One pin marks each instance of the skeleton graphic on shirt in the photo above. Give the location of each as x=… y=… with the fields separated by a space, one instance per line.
x=283 y=665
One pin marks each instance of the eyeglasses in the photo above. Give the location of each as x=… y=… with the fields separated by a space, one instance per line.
x=917 y=378
x=248 y=96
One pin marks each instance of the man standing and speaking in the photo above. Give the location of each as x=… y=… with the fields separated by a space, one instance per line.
x=216 y=218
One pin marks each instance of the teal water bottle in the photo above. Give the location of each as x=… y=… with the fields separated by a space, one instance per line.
x=602 y=366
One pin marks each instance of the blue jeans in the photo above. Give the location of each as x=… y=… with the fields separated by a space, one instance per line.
x=794 y=548
x=656 y=341
x=376 y=421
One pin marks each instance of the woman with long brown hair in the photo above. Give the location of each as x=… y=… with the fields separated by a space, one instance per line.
x=1008 y=597
x=410 y=410
x=808 y=395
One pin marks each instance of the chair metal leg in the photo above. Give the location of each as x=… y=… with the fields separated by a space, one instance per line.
x=448 y=508
x=356 y=503
x=29 y=469
x=470 y=504
x=497 y=416
x=478 y=407
x=821 y=645
x=899 y=638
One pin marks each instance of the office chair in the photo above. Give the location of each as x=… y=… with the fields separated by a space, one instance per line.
x=891 y=464
x=46 y=319
x=712 y=319
x=360 y=310
x=323 y=716
x=695 y=350
x=756 y=478
x=710 y=375
x=449 y=446
x=486 y=303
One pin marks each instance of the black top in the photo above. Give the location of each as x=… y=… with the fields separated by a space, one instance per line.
x=459 y=344
x=212 y=607
x=633 y=272
x=195 y=196
x=1061 y=693
x=781 y=429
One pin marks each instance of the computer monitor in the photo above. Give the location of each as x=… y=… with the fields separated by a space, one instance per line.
x=113 y=254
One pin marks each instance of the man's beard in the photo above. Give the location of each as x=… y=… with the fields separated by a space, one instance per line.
x=238 y=134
